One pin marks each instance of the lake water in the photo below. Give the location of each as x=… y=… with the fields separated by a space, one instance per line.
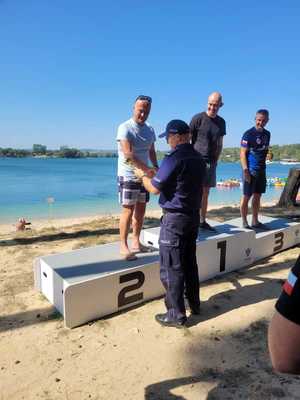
x=87 y=187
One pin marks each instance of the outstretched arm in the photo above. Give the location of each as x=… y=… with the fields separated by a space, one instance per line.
x=127 y=150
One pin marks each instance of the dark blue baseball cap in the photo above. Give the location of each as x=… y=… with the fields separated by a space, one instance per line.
x=176 y=126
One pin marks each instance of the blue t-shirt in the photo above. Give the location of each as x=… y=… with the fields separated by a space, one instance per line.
x=141 y=137
x=179 y=179
x=257 y=144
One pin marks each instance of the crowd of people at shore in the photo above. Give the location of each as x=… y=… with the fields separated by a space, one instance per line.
x=183 y=181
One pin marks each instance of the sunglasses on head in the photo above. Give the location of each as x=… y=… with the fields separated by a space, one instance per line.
x=144 y=98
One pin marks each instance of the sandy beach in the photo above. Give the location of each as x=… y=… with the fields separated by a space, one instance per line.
x=222 y=354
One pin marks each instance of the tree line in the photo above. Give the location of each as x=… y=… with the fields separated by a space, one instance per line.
x=63 y=152
x=229 y=154
x=39 y=150
x=286 y=151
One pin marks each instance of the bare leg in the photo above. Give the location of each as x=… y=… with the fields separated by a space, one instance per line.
x=125 y=221
x=255 y=207
x=284 y=344
x=137 y=224
x=244 y=209
x=204 y=203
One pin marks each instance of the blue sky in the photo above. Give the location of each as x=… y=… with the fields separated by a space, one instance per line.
x=70 y=70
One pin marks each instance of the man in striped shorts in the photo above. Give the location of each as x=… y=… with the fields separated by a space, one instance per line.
x=135 y=147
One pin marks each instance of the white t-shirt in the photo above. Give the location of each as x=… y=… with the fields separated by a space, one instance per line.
x=141 y=138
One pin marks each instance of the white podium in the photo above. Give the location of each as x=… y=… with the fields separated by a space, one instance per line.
x=282 y=234
x=228 y=249
x=89 y=283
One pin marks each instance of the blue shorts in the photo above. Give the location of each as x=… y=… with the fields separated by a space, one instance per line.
x=288 y=304
x=131 y=192
x=257 y=184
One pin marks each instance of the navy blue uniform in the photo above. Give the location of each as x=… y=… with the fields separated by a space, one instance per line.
x=257 y=144
x=179 y=179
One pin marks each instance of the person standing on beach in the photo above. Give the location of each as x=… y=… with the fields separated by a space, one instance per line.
x=254 y=151
x=135 y=147
x=179 y=183
x=207 y=130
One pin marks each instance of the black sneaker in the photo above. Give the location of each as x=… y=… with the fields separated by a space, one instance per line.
x=164 y=320
x=204 y=225
x=261 y=226
x=194 y=309
x=246 y=226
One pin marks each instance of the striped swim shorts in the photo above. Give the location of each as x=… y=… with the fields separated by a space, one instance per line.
x=131 y=192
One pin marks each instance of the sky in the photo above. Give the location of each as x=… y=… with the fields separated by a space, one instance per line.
x=70 y=70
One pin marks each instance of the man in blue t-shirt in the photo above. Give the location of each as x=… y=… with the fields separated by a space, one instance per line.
x=254 y=150
x=179 y=182
x=135 y=147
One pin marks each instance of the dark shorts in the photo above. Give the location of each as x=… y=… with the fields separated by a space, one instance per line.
x=131 y=192
x=257 y=184
x=210 y=175
x=288 y=304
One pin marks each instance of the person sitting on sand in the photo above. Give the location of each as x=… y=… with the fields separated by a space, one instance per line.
x=284 y=329
x=21 y=224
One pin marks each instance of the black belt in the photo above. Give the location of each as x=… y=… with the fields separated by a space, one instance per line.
x=164 y=211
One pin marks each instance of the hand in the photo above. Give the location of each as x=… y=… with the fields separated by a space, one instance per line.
x=269 y=156
x=247 y=175
x=151 y=172
x=138 y=172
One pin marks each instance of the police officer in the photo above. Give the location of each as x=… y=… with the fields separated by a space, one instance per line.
x=179 y=182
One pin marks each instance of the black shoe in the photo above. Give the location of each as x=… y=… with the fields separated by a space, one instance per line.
x=164 y=320
x=261 y=226
x=207 y=227
x=194 y=309
x=246 y=226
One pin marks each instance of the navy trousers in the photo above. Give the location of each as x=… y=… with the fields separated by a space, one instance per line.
x=178 y=264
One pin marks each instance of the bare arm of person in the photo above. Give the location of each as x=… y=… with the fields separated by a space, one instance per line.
x=146 y=181
x=127 y=150
x=219 y=148
x=243 y=158
x=148 y=185
x=284 y=344
x=152 y=156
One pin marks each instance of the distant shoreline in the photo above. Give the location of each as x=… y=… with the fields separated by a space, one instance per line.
x=229 y=154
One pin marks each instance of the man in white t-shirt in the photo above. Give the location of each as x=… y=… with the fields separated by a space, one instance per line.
x=135 y=147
